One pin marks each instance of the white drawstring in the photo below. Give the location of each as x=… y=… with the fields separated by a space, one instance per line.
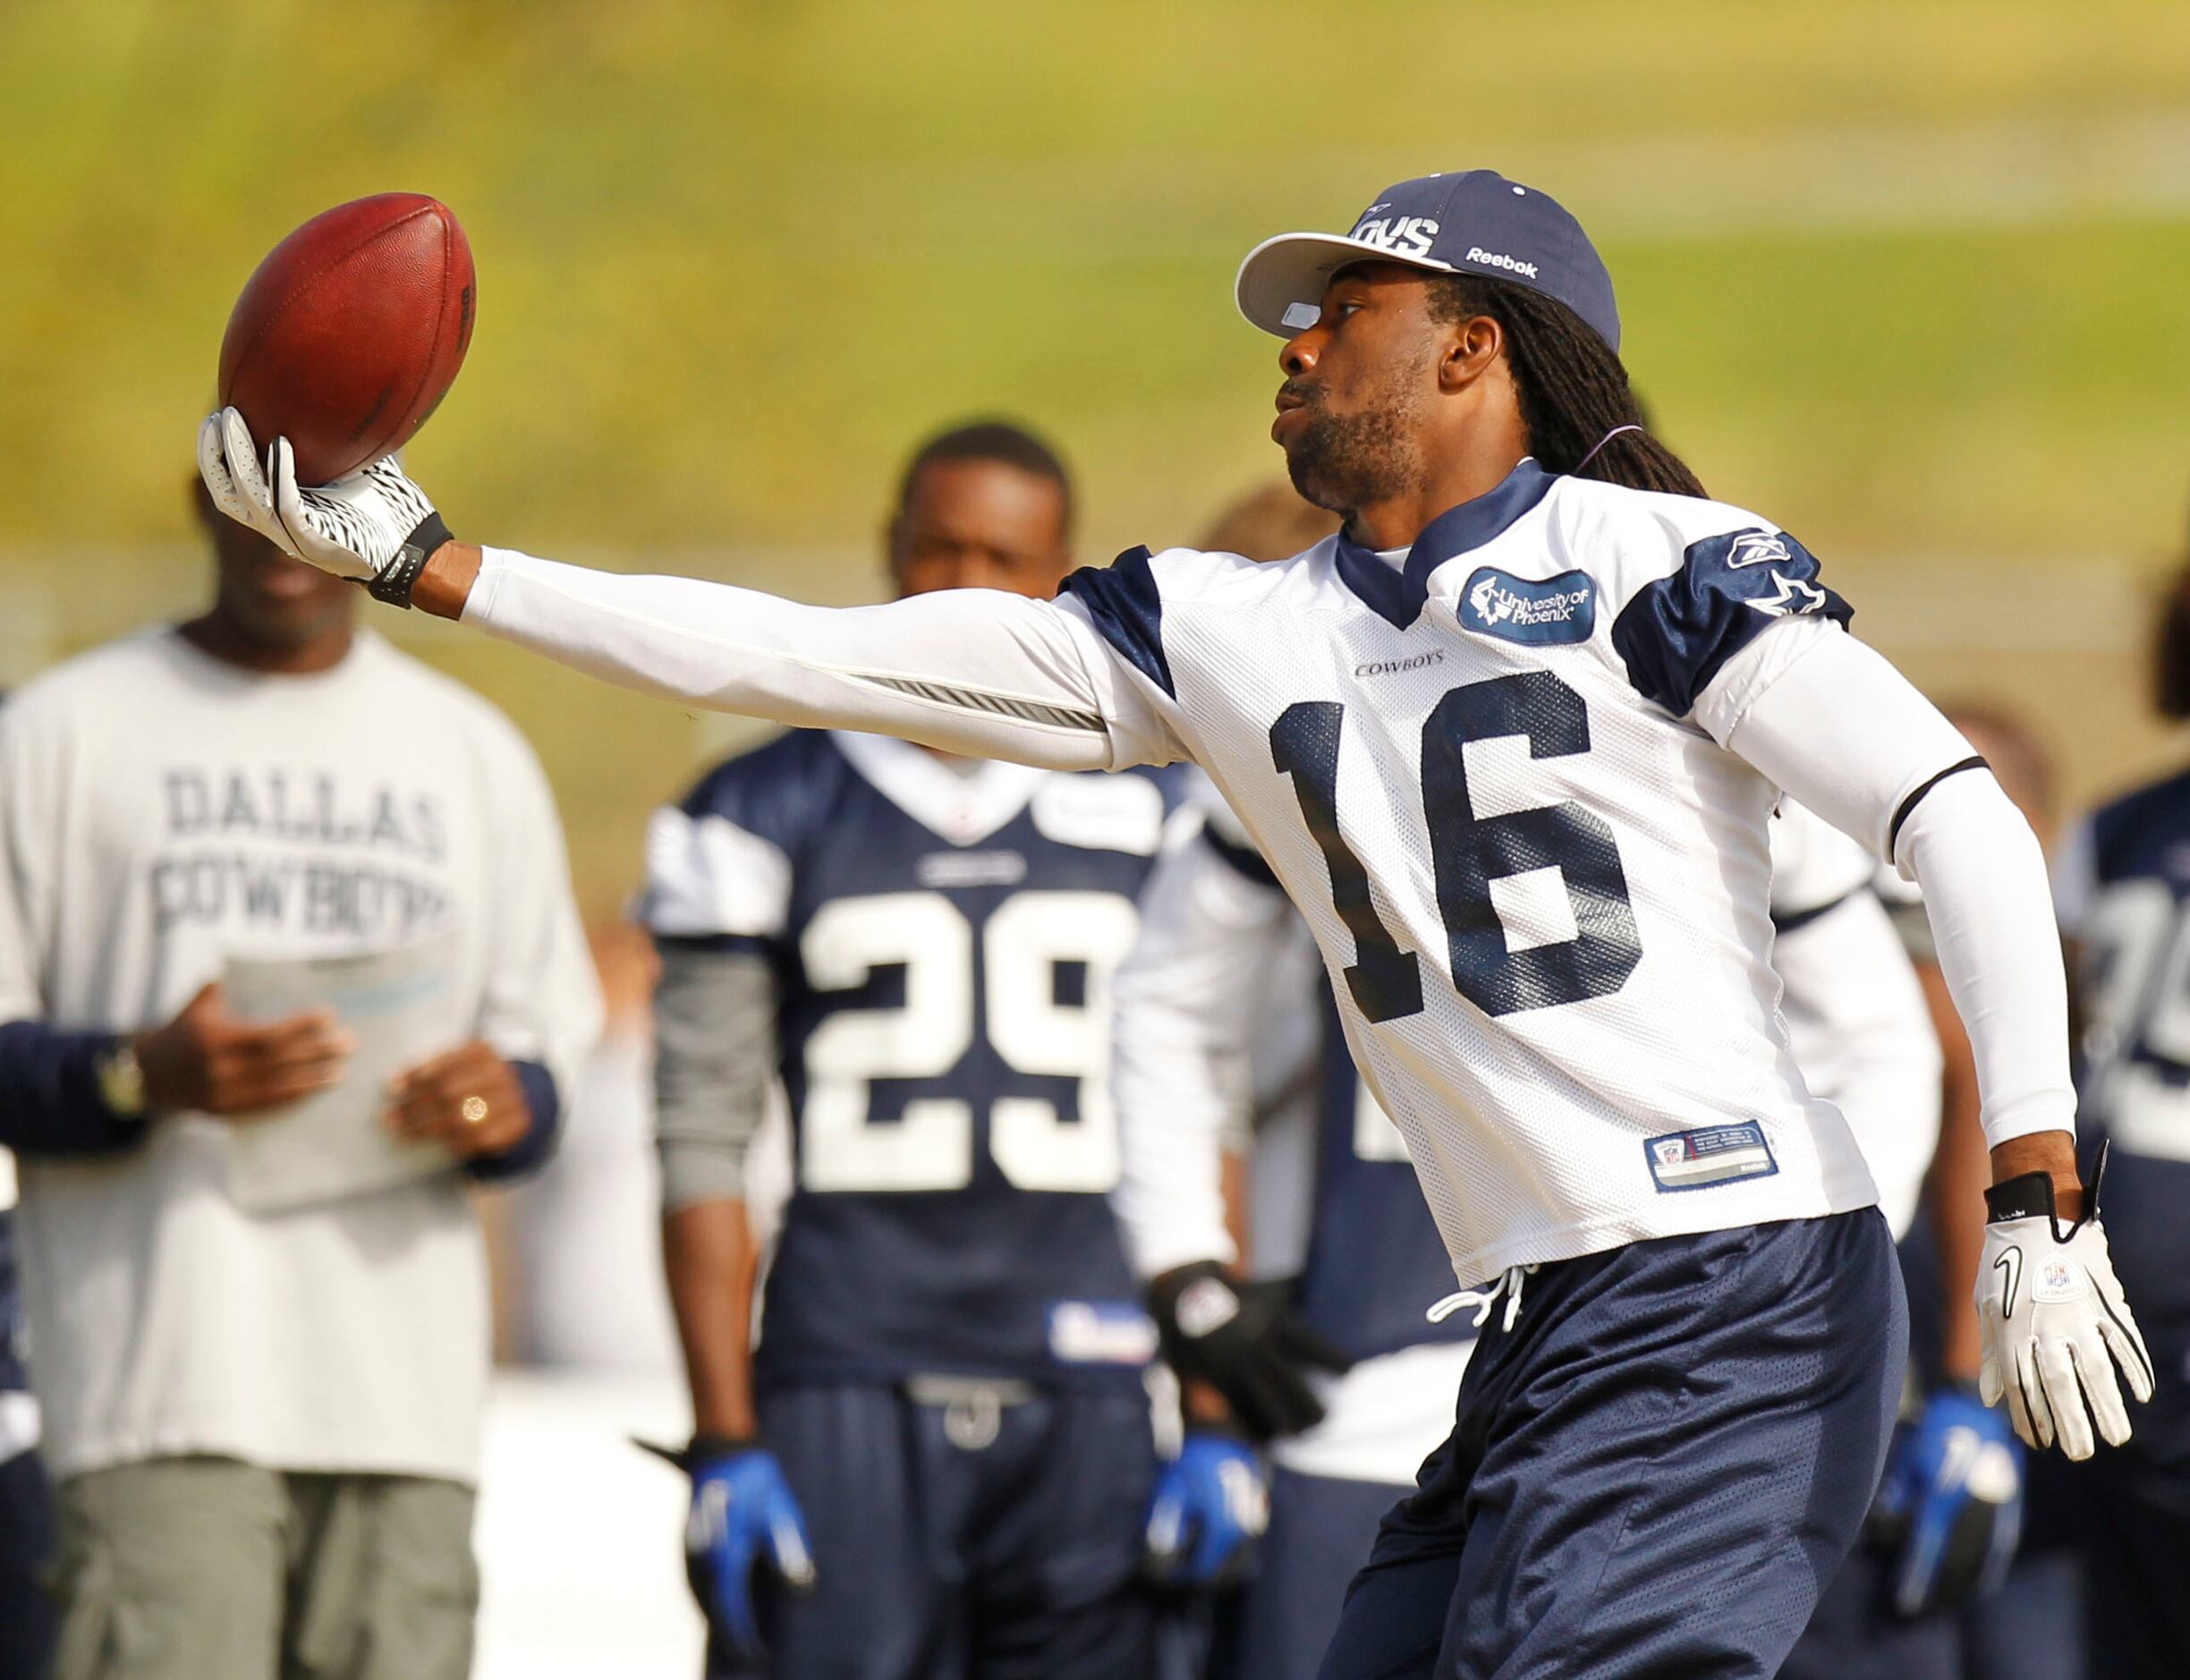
x=1507 y=1284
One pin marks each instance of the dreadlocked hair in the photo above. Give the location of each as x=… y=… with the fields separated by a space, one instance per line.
x=1573 y=388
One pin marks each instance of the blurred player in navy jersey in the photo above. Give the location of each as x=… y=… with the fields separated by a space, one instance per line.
x=27 y=1532
x=942 y=1440
x=26 y=1493
x=2123 y=886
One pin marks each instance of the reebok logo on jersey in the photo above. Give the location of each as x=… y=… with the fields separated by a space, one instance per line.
x=1558 y=609
x=1499 y=260
x=1406 y=235
x=1757 y=548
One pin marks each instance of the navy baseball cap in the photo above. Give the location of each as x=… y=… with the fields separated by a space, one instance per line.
x=1472 y=222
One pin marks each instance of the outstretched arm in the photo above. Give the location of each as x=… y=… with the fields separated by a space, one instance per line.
x=978 y=672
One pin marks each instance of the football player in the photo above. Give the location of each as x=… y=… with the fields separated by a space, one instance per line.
x=942 y=1439
x=27 y=1519
x=1510 y=742
x=2124 y=893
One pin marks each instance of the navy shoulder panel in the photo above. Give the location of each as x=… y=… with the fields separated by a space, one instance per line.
x=1122 y=598
x=1679 y=631
x=2132 y=836
x=779 y=791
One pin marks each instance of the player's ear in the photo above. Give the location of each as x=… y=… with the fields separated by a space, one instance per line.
x=1467 y=350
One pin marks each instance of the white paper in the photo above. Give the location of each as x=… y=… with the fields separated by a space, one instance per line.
x=399 y=1007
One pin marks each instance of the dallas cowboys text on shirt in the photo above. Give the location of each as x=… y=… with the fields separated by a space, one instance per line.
x=263 y=849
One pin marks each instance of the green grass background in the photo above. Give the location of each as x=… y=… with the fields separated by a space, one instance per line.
x=1908 y=277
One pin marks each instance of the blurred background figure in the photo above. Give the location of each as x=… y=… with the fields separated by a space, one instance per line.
x=26 y=1493
x=936 y=1458
x=260 y=1352
x=2123 y=885
x=586 y=1231
x=27 y=1520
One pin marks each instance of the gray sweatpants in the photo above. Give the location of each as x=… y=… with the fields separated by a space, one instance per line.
x=211 y=1569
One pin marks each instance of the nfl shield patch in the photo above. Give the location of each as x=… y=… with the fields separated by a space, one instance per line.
x=1708 y=1156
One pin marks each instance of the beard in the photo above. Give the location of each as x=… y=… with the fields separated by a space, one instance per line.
x=1342 y=463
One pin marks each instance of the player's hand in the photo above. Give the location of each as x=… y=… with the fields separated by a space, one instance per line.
x=468 y=1099
x=1953 y=1499
x=208 y=1062
x=373 y=525
x=1246 y=1342
x=743 y=1515
x=1210 y=1507
x=2053 y=1319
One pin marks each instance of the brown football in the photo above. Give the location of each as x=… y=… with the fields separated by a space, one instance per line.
x=349 y=334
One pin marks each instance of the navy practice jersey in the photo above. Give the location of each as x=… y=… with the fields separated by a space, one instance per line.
x=2124 y=892
x=943 y=936
x=1375 y=1259
x=11 y=1333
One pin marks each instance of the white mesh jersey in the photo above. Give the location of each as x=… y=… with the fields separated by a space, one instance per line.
x=1491 y=772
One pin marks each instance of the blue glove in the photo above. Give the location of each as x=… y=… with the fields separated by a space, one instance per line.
x=1210 y=1507
x=1953 y=1493
x=742 y=1513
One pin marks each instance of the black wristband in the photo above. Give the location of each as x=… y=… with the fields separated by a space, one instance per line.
x=706 y=1448
x=393 y=583
x=700 y=1451
x=2025 y=1196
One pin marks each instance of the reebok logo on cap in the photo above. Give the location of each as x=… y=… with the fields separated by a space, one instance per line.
x=1499 y=260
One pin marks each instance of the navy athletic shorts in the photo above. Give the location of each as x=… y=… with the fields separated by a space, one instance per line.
x=960 y=1538
x=1654 y=1472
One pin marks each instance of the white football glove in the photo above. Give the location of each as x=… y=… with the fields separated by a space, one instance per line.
x=373 y=526
x=2054 y=1323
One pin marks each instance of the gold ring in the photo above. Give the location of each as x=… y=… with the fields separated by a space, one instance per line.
x=474 y=1109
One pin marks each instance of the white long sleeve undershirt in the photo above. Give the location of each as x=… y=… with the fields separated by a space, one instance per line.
x=979 y=672
x=1849 y=736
